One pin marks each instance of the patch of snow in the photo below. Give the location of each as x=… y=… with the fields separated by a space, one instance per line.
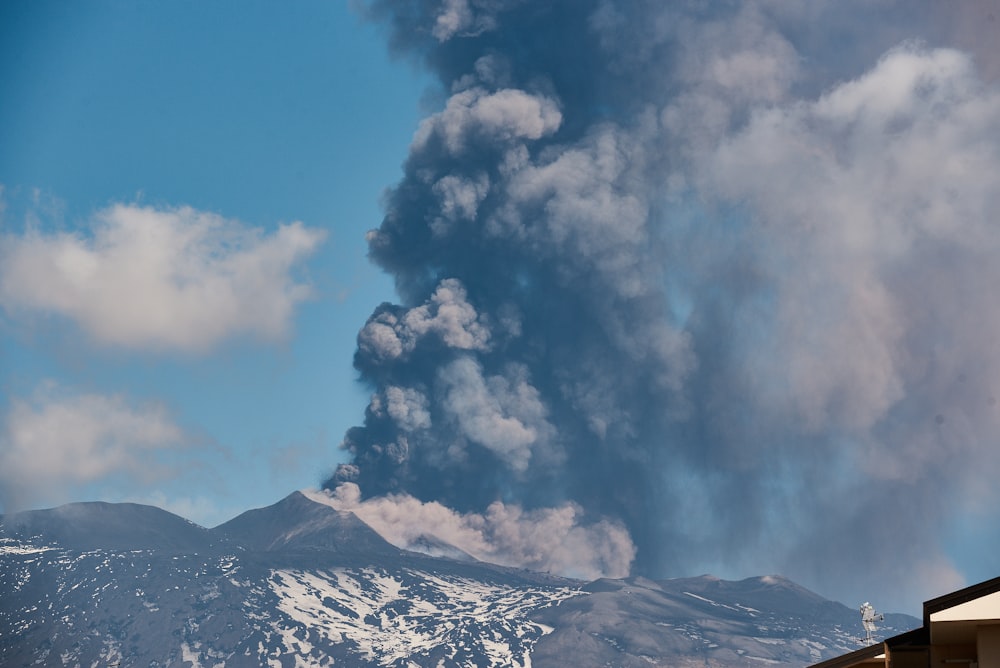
x=10 y=546
x=700 y=598
x=396 y=619
x=715 y=603
x=188 y=655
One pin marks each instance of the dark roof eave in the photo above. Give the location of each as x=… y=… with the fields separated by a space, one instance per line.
x=917 y=638
x=959 y=597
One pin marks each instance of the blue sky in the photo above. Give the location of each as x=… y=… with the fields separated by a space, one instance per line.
x=261 y=114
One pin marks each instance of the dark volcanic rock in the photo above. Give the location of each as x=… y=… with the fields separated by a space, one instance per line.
x=297 y=523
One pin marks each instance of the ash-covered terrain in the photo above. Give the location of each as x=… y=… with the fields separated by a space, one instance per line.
x=301 y=584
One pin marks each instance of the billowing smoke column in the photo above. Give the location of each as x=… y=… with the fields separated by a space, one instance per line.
x=689 y=288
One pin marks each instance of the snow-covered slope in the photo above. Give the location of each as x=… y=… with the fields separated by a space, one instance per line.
x=702 y=622
x=395 y=618
x=301 y=584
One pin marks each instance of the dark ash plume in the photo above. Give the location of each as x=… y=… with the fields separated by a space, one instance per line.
x=701 y=274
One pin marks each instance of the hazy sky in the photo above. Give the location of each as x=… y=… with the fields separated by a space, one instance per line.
x=670 y=288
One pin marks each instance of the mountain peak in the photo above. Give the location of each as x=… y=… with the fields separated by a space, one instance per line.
x=297 y=522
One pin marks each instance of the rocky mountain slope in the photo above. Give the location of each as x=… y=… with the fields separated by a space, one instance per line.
x=301 y=584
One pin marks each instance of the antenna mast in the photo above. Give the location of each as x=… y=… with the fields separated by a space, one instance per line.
x=868 y=619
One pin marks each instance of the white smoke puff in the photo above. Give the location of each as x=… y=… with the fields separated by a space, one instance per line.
x=552 y=539
x=504 y=116
x=449 y=19
x=907 y=83
x=587 y=211
x=379 y=337
x=455 y=16
x=502 y=413
x=376 y=406
x=467 y=18
x=460 y=199
x=448 y=315
x=548 y=539
x=407 y=407
x=399 y=450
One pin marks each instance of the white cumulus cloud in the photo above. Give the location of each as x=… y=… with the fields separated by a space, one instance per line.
x=164 y=279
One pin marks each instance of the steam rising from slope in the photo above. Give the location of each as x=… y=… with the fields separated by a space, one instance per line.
x=545 y=539
x=705 y=274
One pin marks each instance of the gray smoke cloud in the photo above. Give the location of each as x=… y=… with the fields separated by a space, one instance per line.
x=723 y=275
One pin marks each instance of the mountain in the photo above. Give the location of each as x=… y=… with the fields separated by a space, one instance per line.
x=96 y=525
x=704 y=622
x=301 y=584
x=297 y=523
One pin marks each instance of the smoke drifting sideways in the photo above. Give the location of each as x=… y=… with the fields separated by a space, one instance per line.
x=691 y=287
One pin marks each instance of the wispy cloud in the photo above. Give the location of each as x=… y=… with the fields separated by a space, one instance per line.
x=200 y=509
x=161 y=279
x=58 y=440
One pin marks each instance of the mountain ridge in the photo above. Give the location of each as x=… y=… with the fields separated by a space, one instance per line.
x=300 y=583
x=318 y=526
x=98 y=524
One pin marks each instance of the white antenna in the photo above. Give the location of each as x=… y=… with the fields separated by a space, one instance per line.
x=868 y=619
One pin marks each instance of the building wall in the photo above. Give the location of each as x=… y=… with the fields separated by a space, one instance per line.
x=988 y=645
x=912 y=659
x=942 y=653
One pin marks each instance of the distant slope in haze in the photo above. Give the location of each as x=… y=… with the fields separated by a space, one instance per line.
x=98 y=525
